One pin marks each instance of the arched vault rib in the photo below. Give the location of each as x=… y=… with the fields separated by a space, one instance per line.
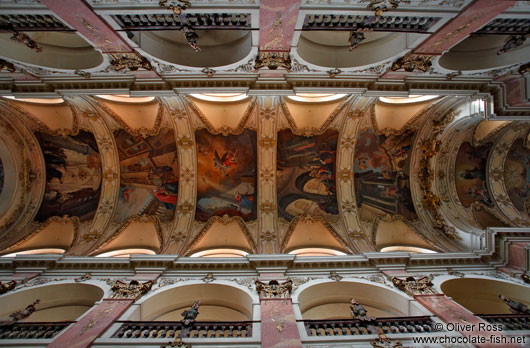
x=29 y=177
x=92 y=232
x=176 y=237
x=423 y=174
x=496 y=170
x=347 y=201
x=452 y=139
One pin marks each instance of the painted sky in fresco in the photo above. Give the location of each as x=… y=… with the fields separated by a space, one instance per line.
x=226 y=175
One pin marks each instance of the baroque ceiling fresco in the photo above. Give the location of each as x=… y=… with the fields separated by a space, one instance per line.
x=353 y=179
x=177 y=127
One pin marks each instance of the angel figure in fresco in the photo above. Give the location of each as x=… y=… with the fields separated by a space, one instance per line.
x=225 y=162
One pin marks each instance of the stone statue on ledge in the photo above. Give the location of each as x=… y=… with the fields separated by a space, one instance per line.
x=191 y=314
x=23 y=313
x=5 y=287
x=515 y=306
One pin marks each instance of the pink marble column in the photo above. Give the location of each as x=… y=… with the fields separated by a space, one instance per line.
x=277 y=23
x=80 y=16
x=83 y=333
x=457 y=318
x=472 y=18
x=278 y=324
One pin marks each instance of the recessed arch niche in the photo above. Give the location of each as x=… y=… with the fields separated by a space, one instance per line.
x=481 y=296
x=60 y=50
x=218 y=47
x=332 y=49
x=479 y=52
x=218 y=302
x=59 y=302
x=331 y=300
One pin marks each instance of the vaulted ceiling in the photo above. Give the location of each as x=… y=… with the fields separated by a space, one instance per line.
x=242 y=126
x=314 y=174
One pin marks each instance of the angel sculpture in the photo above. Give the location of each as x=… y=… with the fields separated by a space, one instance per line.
x=225 y=162
x=191 y=314
x=23 y=313
x=357 y=310
x=5 y=287
x=274 y=289
x=515 y=306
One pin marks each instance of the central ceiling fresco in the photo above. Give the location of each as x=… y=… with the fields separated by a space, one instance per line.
x=264 y=174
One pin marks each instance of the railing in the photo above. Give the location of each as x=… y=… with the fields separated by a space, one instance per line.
x=363 y=327
x=172 y=329
x=508 y=321
x=31 y=330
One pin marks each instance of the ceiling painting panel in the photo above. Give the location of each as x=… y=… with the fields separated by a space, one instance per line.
x=149 y=175
x=470 y=175
x=306 y=175
x=381 y=170
x=517 y=175
x=226 y=175
x=73 y=175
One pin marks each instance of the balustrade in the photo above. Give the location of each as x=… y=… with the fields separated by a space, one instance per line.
x=346 y=327
x=508 y=321
x=199 y=329
x=32 y=330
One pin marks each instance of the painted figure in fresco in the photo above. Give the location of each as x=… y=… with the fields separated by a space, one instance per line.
x=470 y=174
x=515 y=306
x=227 y=161
x=73 y=175
x=167 y=194
x=244 y=201
x=191 y=314
x=125 y=192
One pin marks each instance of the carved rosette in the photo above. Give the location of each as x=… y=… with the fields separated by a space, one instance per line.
x=495 y=173
x=110 y=183
x=267 y=200
x=24 y=176
x=176 y=238
x=346 y=198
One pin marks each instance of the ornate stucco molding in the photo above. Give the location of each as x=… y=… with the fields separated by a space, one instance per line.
x=92 y=231
x=312 y=131
x=224 y=220
x=495 y=173
x=115 y=233
x=36 y=124
x=422 y=174
x=224 y=130
x=311 y=219
x=142 y=131
x=177 y=235
x=445 y=170
x=268 y=111
x=25 y=178
x=346 y=198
